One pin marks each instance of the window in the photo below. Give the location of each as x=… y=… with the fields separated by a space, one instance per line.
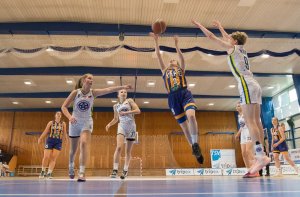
x=286 y=103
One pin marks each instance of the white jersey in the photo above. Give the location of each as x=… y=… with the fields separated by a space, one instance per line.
x=239 y=63
x=83 y=104
x=123 y=107
x=245 y=135
x=249 y=88
x=242 y=122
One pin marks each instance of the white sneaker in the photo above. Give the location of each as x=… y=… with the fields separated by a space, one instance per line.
x=278 y=174
x=259 y=164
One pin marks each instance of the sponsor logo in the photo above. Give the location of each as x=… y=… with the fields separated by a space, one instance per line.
x=229 y=171
x=234 y=171
x=180 y=172
x=208 y=172
x=216 y=155
x=200 y=171
x=83 y=106
x=172 y=172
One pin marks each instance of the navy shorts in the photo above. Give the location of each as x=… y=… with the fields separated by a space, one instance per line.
x=179 y=102
x=52 y=143
x=281 y=147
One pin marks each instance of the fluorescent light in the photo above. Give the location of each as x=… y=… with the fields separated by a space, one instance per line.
x=191 y=85
x=15 y=102
x=114 y=101
x=150 y=83
x=49 y=49
x=146 y=102
x=231 y=86
x=48 y=102
x=265 y=56
x=110 y=82
x=69 y=81
x=211 y=104
x=270 y=87
x=28 y=82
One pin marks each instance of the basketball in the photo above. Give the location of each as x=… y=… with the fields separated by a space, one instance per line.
x=159 y=26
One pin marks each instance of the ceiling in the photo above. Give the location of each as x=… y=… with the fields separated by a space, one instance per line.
x=269 y=15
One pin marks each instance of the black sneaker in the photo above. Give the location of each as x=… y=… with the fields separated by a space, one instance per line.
x=49 y=176
x=42 y=175
x=114 y=174
x=197 y=153
x=124 y=174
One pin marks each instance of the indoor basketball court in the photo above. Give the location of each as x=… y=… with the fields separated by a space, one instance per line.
x=149 y=98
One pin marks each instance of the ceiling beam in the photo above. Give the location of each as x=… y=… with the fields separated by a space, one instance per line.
x=109 y=71
x=100 y=29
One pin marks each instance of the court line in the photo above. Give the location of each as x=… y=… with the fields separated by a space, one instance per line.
x=157 y=194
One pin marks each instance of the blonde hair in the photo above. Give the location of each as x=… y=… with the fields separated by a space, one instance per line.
x=240 y=37
x=79 y=83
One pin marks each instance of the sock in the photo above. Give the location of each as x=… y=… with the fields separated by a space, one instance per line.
x=43 y=169
x=81 y=169
x=259 y=149
x=126 y=167
x=71 y=165
x=116 y=166
x=50 y=171
x=194 y=138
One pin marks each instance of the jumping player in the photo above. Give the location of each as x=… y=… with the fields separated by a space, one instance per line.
x=249 y=89
x=180 y=99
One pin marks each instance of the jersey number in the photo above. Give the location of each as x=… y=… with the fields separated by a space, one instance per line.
x=246 y=62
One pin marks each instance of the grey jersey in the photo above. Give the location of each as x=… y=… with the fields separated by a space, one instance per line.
x=125 y=106
x=83 y=104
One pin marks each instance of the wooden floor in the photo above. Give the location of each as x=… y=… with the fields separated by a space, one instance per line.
x=153 y=186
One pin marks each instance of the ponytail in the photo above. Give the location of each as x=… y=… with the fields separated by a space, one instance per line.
x=79 y=83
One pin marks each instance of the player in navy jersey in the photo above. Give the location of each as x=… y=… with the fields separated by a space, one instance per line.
x=180 y=99
x=81 y=121
x=280 y=146
x=124 y=112
x=56 y=131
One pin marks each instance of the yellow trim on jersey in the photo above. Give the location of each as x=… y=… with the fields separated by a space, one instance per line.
x=166 y=81
x=171 y=79
x=182 y=78
x=189 y=104
x=244 y=84
x=177 y=76
x=180 y=115
x=246 y=90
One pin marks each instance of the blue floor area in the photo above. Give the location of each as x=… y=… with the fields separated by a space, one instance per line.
x=147 y=186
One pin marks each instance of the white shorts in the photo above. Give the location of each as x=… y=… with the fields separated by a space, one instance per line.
x=81 y=125
x=128 y=130
x=250 y=91
x=245 y=136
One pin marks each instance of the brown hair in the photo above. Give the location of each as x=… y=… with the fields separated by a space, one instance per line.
x=240 y=37
x=80 y=81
